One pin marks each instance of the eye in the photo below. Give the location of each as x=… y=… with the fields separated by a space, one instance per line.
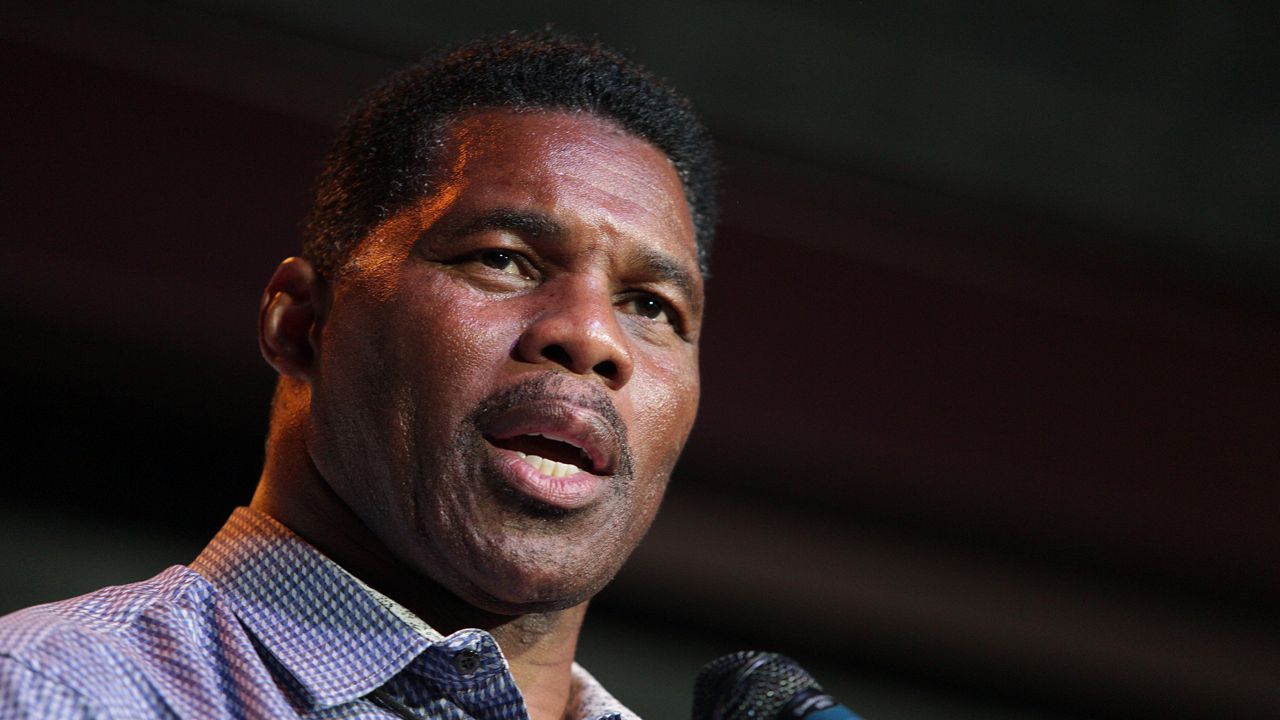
x=650 y=307
x=501 y=260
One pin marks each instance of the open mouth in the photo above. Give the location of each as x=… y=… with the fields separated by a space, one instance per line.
x=550 y=456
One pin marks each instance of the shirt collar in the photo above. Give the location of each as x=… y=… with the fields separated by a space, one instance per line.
x=337 y=637
x=314 y=618
x=591 y=701
x=405 y=615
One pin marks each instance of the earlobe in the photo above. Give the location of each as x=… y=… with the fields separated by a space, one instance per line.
x=290 y=313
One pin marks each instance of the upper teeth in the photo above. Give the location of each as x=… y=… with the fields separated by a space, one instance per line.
x=556 y=438
x=549 y=467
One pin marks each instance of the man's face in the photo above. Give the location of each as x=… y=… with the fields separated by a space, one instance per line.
x=544 y=301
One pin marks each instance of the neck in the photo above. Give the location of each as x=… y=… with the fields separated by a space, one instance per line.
x=539 y=648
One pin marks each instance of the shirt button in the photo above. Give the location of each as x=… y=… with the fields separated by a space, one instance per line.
x=466 y=661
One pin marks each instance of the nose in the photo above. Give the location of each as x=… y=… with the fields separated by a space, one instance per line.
x=576 y=327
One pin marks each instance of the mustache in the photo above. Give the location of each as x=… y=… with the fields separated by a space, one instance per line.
x=552 y=387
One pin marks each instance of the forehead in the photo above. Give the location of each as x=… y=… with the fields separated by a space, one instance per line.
x=581 y=167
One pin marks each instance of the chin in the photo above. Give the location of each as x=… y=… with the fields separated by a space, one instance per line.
x=522 y=593
x=502 y=554
x=526 y=580
x=537 y=564
x=517 y=607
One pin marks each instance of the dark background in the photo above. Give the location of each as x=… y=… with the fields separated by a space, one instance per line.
x=992 y=366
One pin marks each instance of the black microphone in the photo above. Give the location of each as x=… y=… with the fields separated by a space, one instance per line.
x=755 y=685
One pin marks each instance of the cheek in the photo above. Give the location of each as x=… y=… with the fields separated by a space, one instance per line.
x=666 y=402
x=352 y=439
x=394 y=363
x=456 y=342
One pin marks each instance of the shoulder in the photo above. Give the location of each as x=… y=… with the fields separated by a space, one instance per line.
x=106 y=617
x=98 y=645
x=28 y=693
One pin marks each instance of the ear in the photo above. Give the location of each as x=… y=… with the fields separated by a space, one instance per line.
x=291 y=311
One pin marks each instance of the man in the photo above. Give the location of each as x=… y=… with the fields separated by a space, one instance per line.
x=488 y=368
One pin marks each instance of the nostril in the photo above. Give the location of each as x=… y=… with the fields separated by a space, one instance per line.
x=607 y=369
x=557 y=354
x=561 y=355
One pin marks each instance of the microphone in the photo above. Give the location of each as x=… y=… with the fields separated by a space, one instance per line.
x=755 y=685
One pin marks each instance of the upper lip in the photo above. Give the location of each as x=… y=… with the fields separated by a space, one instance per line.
x=563 y=420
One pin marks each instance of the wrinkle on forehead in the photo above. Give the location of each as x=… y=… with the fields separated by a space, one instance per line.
x=576 y=149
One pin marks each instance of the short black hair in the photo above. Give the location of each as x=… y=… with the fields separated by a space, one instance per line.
x=385 y=154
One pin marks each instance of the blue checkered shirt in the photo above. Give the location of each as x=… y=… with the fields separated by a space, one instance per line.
x=261 y=625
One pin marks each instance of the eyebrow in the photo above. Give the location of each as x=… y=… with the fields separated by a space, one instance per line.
x=523 y=222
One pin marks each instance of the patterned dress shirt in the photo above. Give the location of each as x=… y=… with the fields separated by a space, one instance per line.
x=261 y=625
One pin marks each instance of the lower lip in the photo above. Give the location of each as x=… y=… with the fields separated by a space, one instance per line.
x=570 y=492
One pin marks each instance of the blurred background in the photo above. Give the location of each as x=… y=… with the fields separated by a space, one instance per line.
x=991 y=368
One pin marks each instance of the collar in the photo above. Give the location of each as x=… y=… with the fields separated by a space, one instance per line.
x=338 y=638
x=591 y=701
x=405 y=615
x=335 y=640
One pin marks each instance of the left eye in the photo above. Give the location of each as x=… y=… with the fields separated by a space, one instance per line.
x=647 y=306
x=501 y=261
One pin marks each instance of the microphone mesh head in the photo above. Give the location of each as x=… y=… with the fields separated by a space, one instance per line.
x=748 y=685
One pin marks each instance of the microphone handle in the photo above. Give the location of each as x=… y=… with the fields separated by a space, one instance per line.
x=815 y=705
